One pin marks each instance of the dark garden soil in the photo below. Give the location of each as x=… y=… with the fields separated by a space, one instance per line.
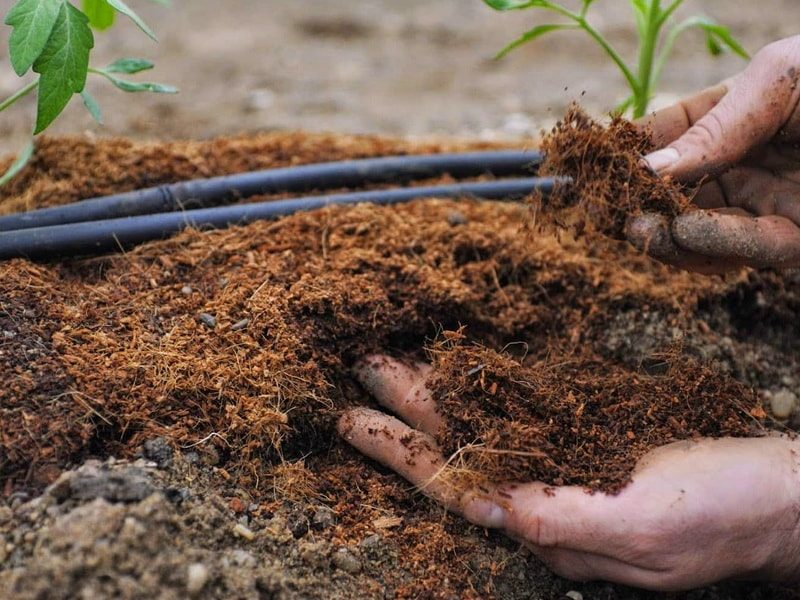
x=212 y=368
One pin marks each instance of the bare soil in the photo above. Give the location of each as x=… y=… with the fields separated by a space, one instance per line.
x=205 y=373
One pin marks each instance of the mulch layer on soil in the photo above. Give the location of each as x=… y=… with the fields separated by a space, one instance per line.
x=236 y=347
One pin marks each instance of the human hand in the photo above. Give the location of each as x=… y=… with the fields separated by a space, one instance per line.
x=695 y=513
x=744 y=137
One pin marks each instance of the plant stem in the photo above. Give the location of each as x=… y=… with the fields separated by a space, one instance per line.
x=647 y=52
x=629 y=76
x=20 y=94
x=669 y=10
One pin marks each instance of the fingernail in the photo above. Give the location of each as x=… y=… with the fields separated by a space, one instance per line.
x=662 y=159
x=485 y=513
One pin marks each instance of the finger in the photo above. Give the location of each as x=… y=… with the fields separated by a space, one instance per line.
x=710 y=195
x=401 y=388
x=758 y=103
x=416 y=457
x=565 y=517
x=763 y=193
x=411 y=453
x=770 y=241
x=651 y=233
x=668 y=124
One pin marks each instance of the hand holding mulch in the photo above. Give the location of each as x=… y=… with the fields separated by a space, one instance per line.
x=695 y=512
x=740 y=141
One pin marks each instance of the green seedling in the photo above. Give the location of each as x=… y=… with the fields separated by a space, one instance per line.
x=657 y=36
x=54 y=39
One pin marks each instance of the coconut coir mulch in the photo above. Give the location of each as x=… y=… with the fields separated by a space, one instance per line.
x=244 y=337
x=238 y=343
x=608 y=180
x=577 y=420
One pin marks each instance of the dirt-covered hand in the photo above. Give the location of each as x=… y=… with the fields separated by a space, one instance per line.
x=743 y=138
x=696 y=512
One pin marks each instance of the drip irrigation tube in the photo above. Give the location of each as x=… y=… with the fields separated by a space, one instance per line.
x=98 y=237
x=201 y=193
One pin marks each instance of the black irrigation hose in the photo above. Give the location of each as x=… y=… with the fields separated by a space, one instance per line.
x=97 y=237
x=201 y=193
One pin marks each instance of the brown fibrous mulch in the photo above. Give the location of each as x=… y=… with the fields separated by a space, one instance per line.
x=608 y=180
x=577 y=420
x=100 y=355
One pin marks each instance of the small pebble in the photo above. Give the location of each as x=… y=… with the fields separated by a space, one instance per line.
x=243 y=558
x=343 y=559
x=244 y=532
x=208 y=320
x=186 y=290
x=573 y=595
x=783 y=403
x=159 y=451
x=240 y=324
x=456 y=217
x=196 y=578
x=372 y=546
x=323 y=518
x=297 y=524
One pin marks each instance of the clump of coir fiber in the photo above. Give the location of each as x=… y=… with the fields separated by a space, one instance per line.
x=609 y=183
x=580 y=421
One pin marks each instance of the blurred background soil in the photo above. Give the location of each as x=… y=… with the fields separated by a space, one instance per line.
x=416 y=67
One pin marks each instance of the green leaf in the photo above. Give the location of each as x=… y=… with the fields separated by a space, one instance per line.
x=532 y=34
x=129 y=66
x=162 y=2
x=126 y=10
x=722 y=39
x=713 y=46
x=517 y=4
x=92 y=106
x=32 y=20
x=101 y=14
x=622 y=107
x=132 y=86
x=63 y=64
x=23 y=158
x=718 y=37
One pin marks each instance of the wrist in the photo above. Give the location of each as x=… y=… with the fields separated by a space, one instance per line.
x=783 y=562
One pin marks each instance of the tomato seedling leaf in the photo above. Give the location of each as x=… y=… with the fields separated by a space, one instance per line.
x=32 y=20
x=532 y=34
x=126 y=10
x=101 y=14
x=92 y=106
x=63 y=64
x=517 y=4
x=129 y=66
x=136 y=86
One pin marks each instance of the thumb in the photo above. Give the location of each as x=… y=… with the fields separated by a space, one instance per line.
x=759 y=101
